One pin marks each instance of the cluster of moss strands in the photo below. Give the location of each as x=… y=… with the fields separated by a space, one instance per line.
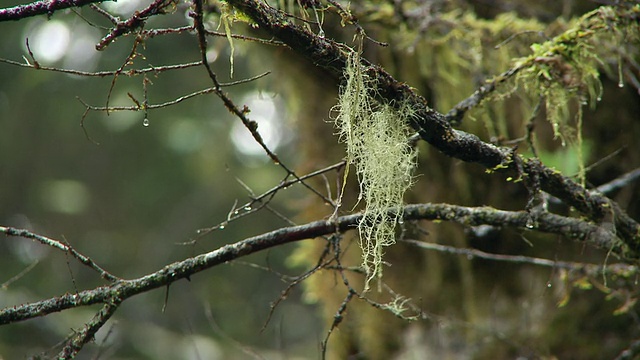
x=565 y=70
x=376 y=138
x=461 y=49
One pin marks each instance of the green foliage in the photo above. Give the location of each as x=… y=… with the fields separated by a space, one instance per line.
x=376 y=138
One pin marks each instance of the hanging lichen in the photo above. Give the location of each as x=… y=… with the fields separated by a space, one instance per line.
x=229 y=15
x=376 y=138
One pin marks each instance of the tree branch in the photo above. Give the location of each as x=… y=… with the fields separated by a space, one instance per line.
x=119 y=291
x=42 y=7
x=136 y=21
x=431 y=125
x=82 y=337
x=436 y=130
x=586 y=268
x=85 y=260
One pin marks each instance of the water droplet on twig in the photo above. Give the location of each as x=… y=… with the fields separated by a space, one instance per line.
x=530 y=224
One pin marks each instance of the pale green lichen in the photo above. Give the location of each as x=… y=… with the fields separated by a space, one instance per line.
x=399 y=307
x=376 y=138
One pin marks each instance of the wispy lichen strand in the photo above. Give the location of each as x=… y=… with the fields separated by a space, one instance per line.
x=376 y=138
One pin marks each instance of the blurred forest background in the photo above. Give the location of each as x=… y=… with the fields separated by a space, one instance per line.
x=132 y=191
x=131 y=201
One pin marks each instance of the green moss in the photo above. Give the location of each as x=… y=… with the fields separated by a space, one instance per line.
x=565 y=71
x=460 y=50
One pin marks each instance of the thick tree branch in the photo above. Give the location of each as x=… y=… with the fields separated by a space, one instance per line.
x=436 y=130
x=119 y=291
x=431 y=125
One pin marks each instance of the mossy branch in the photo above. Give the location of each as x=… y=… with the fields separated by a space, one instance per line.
x=432 y=126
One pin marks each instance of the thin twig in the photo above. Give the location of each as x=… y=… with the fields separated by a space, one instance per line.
x=259 y=202
x=179 y=30
x=619 y=182
x=285 y=293
x=337 y=319
x=228 y=339
x=602 y=160
x=5 y=285
x=455 y=115
x=130 y=72
x=113 y=19
x=88 y=332
x=631 y=352
x=139 y=107
x=591 y=269
x=10 y=231
x=128 y=61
